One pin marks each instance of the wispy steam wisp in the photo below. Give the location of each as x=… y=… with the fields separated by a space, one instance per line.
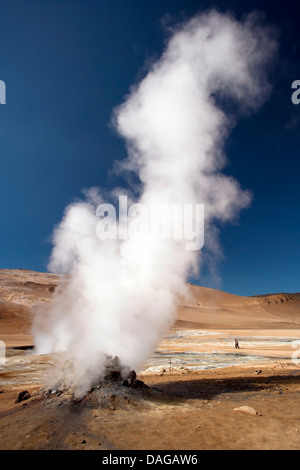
x=123 y=294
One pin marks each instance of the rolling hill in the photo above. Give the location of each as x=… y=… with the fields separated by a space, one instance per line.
x=22 y=291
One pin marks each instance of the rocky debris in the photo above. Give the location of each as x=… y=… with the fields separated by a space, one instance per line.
x=22 y=396
x=109 y=387
x=112 y=374
x=124 y=376
x=278 y=298
x=114 y=370
x=248 y=410
x=184 y=370
x=131 y=379
x=258 y=371
x=57 y=391
x=178 y=370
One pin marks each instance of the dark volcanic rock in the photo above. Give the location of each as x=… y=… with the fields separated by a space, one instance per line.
x=22 y=396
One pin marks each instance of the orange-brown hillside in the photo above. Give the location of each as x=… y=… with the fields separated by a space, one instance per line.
x=21 y=291
x=211 y=308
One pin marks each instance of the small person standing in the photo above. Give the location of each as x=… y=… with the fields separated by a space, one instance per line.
x=236 y=344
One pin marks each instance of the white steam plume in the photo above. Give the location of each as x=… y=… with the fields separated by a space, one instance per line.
x=123 y=294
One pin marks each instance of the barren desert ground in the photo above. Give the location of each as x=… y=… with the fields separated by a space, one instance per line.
x=196 y=392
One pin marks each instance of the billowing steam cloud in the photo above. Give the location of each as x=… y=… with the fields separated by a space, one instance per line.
x=123 y=293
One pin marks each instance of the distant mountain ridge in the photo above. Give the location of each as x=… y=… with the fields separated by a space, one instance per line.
x=211 y=308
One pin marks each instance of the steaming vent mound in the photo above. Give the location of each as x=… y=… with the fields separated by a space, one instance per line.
x=116 y=385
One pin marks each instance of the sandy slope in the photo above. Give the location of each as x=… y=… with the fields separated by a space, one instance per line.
x=22 y=292
x=210 y=308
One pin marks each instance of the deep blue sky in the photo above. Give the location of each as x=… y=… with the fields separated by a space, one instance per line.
x=68 y=63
